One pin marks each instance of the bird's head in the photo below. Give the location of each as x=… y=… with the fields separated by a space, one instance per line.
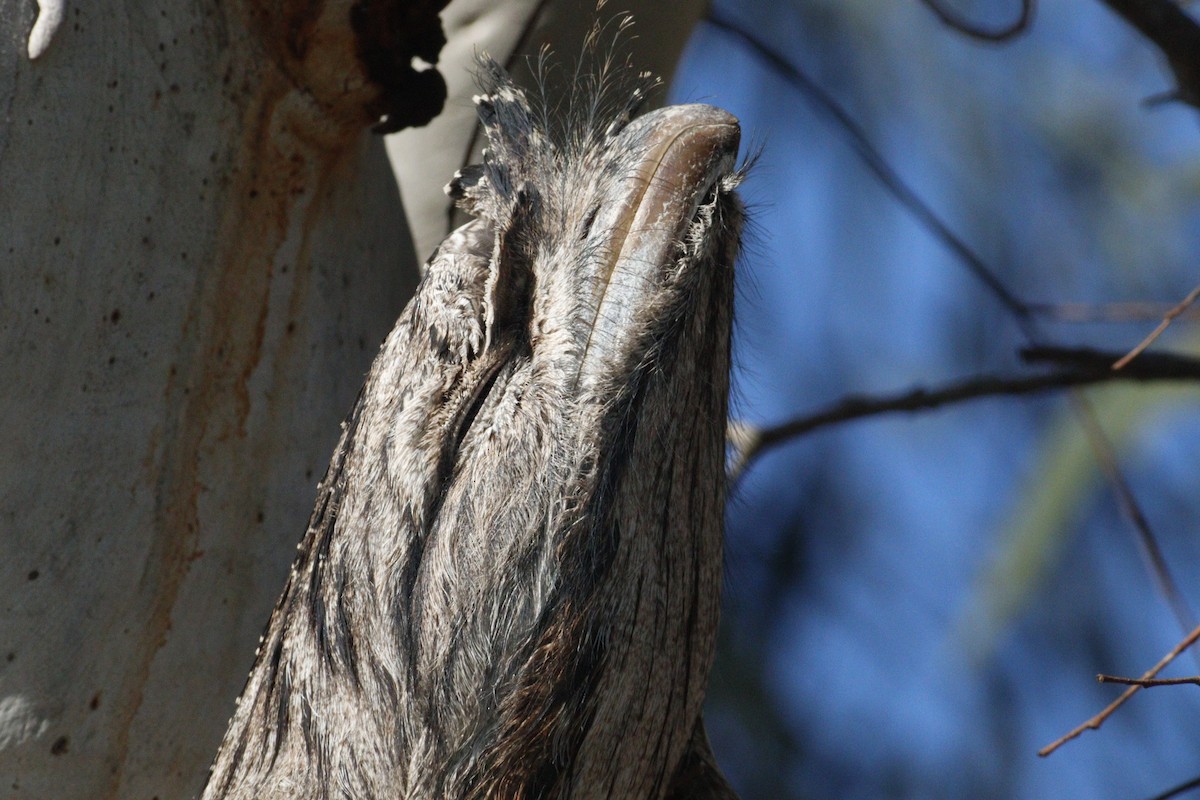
x=605 y=237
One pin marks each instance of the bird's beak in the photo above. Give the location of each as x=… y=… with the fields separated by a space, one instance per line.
x=687 y=149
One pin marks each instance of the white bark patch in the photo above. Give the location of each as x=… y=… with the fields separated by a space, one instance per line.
x=50 y=16
x=19 y=721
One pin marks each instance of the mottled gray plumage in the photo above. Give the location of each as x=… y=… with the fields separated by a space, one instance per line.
x=510 y=583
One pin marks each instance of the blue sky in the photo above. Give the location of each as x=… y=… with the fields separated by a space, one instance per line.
x=861 y=559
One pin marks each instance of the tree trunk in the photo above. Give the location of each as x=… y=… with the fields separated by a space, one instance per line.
x=201 y=251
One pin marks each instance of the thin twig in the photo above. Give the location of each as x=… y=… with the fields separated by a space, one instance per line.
x=1134 y=311
x=1103 y=451
x=1175 y=791
x=1106 y=458
x=1098 y=720
x=876 y=163
x=967 y=29
x=1150 y=683
x=1088 y=367
x=1162 y=326
x=1147 y=542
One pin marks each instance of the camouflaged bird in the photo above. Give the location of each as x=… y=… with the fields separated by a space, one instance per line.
x=510 y=584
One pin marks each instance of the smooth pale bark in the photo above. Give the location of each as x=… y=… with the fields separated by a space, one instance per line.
x=198 y=260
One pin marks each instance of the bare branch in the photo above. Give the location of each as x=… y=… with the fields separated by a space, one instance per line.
x=1098 y=720
x=1173 y=32
x=1151 y=683
x=968 y=29
x=1159 y=365
x=1158 y=331
x=1175 y=791
x=1087 y=367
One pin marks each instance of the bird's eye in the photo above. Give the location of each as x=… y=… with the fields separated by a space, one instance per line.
x=588 y=220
